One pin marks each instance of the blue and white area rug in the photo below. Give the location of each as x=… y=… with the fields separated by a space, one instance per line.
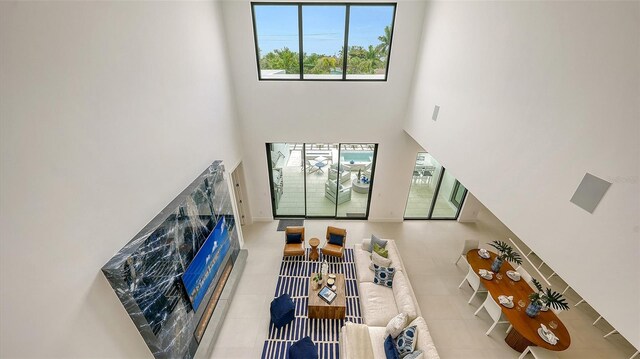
x=294 y=279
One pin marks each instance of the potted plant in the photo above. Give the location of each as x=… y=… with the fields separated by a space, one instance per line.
x=505 y=253
x=317 y=280
x=548 y=298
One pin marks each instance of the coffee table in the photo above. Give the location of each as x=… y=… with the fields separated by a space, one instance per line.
x=313 y=252
x=359 y=187
x=318 y=308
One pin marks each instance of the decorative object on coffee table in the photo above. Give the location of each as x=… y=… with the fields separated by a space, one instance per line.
x=316 y=281
x=313 y=252
x=548 y=298
x=506 y=253
x=319 y=308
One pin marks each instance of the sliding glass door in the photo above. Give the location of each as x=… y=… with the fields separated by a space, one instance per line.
x=287 y=182
x=434 y=192
x=321 y=180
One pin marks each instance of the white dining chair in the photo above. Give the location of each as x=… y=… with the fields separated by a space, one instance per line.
x=494 y=310
x=469 y=244
x=597 y=320
x=538 y=353
x=474 y=281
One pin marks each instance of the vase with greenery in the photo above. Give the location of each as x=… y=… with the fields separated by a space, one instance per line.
x=317 y=280
x=505 y=253
x=547 y=298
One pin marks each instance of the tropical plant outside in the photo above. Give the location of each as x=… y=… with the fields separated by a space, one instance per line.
x=360 y=60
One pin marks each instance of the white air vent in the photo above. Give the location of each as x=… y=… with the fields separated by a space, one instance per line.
x=436 y=110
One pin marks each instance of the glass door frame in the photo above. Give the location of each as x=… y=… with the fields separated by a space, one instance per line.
x=434 y=199
x=304 y=166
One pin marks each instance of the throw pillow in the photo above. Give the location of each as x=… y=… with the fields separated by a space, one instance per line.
x=379 y=261
x=381 y=242
x=406 y=341
x=418 y=354
x=390 y=350
x=294 y=238
x=396 y=324
x=381 y=251
x=383 y=275
x=336 y=239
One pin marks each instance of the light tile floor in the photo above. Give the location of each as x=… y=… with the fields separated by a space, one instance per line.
x=428 y=249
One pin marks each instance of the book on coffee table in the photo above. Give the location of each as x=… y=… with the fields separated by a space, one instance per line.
x=327 y=295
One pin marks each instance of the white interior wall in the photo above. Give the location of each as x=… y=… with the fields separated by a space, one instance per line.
x=532 y=96
x=327 y=112
x=108 y=111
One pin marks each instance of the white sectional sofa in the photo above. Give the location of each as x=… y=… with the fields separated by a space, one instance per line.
x=379 y=304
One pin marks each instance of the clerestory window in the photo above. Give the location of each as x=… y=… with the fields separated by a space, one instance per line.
x=296 y=41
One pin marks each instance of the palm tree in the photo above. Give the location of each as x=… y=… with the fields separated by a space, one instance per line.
x=385 y=41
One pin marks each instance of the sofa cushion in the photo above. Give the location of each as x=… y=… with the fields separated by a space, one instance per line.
x=425 y=342
x=403 y=296
x=378 y=305
x=361 y=257
x=383 y=275
x=390 y=350
x=379 y=261
x=381 y=251
x=406 y=341
x=396 y=325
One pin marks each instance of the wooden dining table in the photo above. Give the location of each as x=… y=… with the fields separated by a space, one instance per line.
x=525 y=328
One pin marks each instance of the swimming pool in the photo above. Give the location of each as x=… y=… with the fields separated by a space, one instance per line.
x=356 y=156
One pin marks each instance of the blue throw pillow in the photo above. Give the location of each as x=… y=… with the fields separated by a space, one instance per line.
x=336 y=239
x=390 y=348
x=406 y=341
x=375 y=240
x=294 y=238
x=383 y=275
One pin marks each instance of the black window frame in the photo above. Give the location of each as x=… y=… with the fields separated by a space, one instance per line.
x=301 y=35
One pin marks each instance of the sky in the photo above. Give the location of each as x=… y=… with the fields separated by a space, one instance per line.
x=323 y=27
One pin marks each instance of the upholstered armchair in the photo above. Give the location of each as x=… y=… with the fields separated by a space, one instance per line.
x=336 y=240
x=293 y=241
x=337 y=192
x=345 y=172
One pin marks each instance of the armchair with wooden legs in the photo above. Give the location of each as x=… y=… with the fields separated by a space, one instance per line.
x=291 y=245
x=331 y=249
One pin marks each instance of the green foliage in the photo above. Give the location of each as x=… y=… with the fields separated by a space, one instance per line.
x=283 y=59
x=548 y=297
x=360 y=60
x=506 y=252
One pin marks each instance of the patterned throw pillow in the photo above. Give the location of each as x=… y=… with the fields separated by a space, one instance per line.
x=381 y=251
x=406 y=341
x=418 y=354
x=383 y=275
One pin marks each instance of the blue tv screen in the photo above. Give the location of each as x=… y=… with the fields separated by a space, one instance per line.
x=204 y=266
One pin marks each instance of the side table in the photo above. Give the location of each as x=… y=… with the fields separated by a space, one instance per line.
x=313 y=253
